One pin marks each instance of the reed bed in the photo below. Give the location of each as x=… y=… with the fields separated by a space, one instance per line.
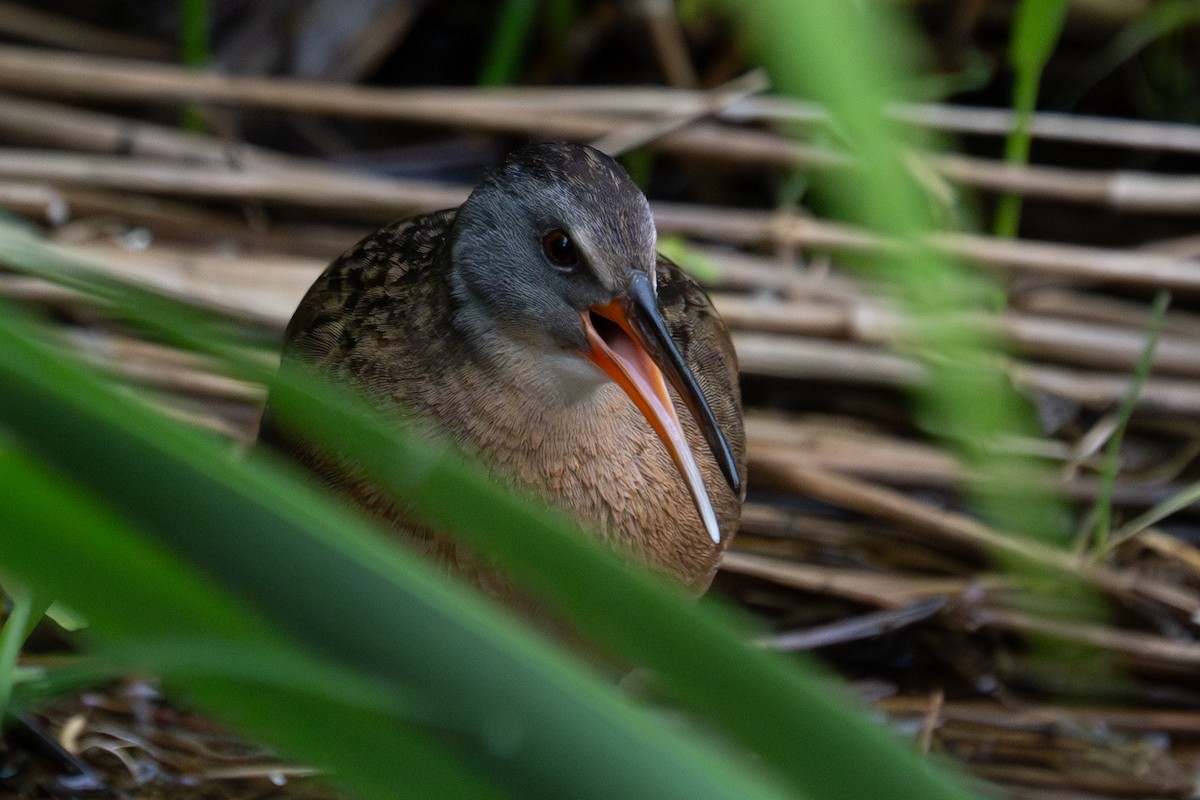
x=857 y=542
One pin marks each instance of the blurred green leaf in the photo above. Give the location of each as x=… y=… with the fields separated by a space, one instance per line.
x=796 y=726
x=695 y=263
x=508 y=708
x=65 y=617
x=140 y=598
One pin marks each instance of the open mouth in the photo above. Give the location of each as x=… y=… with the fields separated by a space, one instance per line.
x=625 y=355
x=622 y=345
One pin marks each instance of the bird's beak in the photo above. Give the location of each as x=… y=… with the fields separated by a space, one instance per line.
x=630 y=342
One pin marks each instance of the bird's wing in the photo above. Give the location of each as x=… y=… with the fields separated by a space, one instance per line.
x=317 y=331
x=326 y=325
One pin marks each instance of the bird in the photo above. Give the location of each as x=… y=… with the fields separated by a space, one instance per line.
x=537 y=329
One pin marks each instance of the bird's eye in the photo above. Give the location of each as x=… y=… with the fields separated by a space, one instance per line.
x=559 y=248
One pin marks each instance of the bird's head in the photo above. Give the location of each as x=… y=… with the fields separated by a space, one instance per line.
x=555 y=251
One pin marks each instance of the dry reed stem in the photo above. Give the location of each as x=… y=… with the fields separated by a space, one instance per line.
x=834 y=444
x=34 y=70
x=1103 y=131
x=817 y=360
x=639 y=133
x=1125 y=191
x=55 y=125
x=320 y=187
x=651 y=101
x=388 y=197
x=1037 y=336
x=837 y=445
x=237 y=285
x=930 y=723
x=820 y=359
x=1167 y=396
x=853 y=628
x=1071 y=262
x=1131 y=643
x=262 y=289
x=1178 y=550
x=860 y=586
x=956 y=530
x=1050 y=718
x=94 y=214
x=76 y=76
x=22 y=22
x=1102 y=309
x=36 y=200
x=670 y=44
x=35 y=290
x=312 y=183
x=162 y=367
x=950 y=529
x=55 y=72
x=1084 y=783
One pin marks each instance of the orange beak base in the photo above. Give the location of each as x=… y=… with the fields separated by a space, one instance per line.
x=622 y=351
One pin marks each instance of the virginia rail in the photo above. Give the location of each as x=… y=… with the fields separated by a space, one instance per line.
x=537 y=328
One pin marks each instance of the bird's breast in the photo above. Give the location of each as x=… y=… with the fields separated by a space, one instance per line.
x=592 y=455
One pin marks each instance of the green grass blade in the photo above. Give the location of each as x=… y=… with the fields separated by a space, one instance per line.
x=195 y=50
x=29 y=605
x=1036 y=29
x=510 y=37
x=12 y=636
x=71 y=544
x=1102 y=513
x=334 y=586
x=1172 y=505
